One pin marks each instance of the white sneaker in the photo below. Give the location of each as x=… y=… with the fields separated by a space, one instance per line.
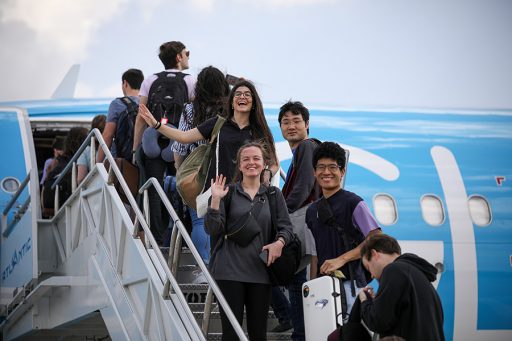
x=199 y=277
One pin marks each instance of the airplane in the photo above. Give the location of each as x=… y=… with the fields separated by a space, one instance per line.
x=437 y=180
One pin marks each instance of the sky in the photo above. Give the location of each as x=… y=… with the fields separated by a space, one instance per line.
x=432 y=54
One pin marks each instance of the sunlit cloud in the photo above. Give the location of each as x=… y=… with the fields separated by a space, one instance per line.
x=65 y=25
x=203 y=5
x=47 y=37
x=286 y=3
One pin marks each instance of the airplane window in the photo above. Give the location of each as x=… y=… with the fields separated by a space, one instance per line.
x=432 y=209
x=480 y=210
x=385 y=209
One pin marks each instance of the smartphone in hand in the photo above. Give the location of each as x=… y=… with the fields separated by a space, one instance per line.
x=264 y=256
x=232 y=80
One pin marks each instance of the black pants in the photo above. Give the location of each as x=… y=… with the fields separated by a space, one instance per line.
x=256 y=299
x=158 y=215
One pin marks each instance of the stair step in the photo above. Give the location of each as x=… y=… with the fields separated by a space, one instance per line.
x=194 y=293
x=270 y=336
x=216 y=325
x=186 y=257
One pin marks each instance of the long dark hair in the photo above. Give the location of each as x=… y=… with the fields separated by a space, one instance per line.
x=211 y=93
x=74 y=140
x=259 y=126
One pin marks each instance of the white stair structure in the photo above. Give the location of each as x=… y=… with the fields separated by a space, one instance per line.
x=96 y=279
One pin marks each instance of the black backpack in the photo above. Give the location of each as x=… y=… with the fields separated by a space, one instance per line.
x=125 y=129
x=167 y=96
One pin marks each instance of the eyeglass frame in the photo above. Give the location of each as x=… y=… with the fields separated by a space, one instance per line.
x=246 y=94
x=294 y=122
x=332 y=167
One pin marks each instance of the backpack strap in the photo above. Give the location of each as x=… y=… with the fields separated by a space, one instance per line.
x=215 y=133
x=130 y=103
x=331 y=220
x=227 y=204
x=216 y=128
x=272 y=202
x=227 y=199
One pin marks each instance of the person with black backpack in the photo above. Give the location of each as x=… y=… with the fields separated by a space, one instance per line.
x=165 y=94
x=119 y=129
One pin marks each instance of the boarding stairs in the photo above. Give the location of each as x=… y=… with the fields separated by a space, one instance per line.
x=98 y=280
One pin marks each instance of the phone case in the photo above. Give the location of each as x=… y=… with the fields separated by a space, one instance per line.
x=264 y=256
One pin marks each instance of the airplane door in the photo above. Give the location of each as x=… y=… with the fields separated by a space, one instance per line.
x=19 y=203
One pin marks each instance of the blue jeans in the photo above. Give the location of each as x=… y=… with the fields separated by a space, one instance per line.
x=199 y=236
x=291 y=311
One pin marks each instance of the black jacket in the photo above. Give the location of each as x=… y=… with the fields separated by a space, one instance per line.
x=406 y=304
x=300 y=187
x=65 y=184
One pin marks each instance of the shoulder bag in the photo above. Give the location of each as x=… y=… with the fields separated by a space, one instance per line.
x=192 y=174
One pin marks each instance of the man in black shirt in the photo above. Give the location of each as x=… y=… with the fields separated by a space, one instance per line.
x=299 y=190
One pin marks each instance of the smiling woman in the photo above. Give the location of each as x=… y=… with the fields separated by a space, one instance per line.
x=240 y=220
x=245 y=122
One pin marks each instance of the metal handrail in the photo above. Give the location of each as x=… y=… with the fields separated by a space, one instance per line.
x=282 y=173
x=17 y=194
x=8 y=228
x=139 y=218
x=184 y=234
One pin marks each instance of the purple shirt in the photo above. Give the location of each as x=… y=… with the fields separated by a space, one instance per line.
x=354 y=217
x=363 y=218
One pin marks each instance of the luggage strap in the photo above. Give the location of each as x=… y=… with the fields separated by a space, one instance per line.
x=343 y=300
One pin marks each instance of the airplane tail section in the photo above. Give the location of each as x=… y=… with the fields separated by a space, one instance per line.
x=67 y=86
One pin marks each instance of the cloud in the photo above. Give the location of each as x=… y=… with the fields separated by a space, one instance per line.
x=203 y=5
x=45 y=38
x=65 y=25
x=285 y=3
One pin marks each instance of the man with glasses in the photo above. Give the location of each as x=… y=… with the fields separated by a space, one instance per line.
x=164 y=94
x=339 y=221
x=300 y=189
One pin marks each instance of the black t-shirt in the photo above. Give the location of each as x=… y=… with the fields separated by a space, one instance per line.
x=231 y=139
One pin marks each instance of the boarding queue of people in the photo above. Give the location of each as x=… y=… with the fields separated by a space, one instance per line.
x=168 y=114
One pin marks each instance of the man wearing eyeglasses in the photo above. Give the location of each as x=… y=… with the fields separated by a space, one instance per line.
x=300 y=189
x=339 y=221
x=165 y=94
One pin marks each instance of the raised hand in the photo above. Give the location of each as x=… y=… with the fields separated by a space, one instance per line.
x=146 y=115
x=219 y=189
